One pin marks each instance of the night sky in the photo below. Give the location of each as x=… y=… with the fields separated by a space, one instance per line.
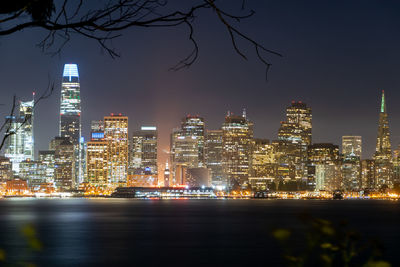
x=338 y=56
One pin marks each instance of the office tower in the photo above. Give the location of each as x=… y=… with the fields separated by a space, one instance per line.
x=70 y=106
x=116 y=136
x=368 y=174
x=70 y=114
x=289 y=165
x=184 y=152
x=351 y=172
x=5 y=169
x=213 y=156
x=263 y=164
x=297 y=130
x=237 y=138
x=97 y=162
x=352 y=145
x=64 y=157
x=144 y=149
x=47 y=157
x=383 y=152
x=323 y=167
x=193 y=126
x=20 y=144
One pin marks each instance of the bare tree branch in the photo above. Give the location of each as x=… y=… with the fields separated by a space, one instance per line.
x=109 y=21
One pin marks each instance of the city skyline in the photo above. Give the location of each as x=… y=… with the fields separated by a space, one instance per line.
x=316 y=68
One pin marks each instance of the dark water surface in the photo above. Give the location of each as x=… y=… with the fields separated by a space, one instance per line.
x=127 y=232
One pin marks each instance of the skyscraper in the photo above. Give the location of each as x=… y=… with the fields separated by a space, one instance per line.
x=70 y=114
x=20 y=144
x=213 y=156
x=144 y=149
x=193 y=126
x=70 y=105
x=383 y=152
x=351 y=163
x=116 y=136
x=296 y=130
x=187 y=146
x=64 y=155
x=237 y=138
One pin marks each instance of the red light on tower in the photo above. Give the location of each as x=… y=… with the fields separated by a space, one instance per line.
x=112 y=114
x=293 y=101
x=300 y=102
x=120 y=114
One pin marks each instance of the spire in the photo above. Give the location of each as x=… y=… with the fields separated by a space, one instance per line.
x=244 y=113
x=383 y=104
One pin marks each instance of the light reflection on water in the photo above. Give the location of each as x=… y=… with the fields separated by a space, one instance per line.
x=149 y=232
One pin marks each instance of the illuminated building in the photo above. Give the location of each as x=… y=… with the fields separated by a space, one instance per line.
x=163 y=192
x=383 y=152
x=64 y=156
x=237 y=138
x=20 y=144
x=368 y=174
x=193 y=126
x=352 y=145
x=47 y=157
x=297 y=130
x=184 y=151
x=213 y=156
x=144 y=149
x=5 y=169
x=323 y=167
x=351 y=163
x=288 y=159
x=263 y=164
x=70 y=114
x=116 y=136
x=187 y=145
x=34 y=172
x=97 y=162
x=351 y=172
x=70 y=106
x=396 y=167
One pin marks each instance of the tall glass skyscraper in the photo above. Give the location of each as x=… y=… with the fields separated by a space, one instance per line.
x=70 y=107
x=70 y=114
x=20 y=144
x=383 y=152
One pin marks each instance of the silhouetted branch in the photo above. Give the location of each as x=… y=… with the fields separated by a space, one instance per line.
x=109 y=20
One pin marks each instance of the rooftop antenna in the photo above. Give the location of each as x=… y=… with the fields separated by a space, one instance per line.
x=244 y=113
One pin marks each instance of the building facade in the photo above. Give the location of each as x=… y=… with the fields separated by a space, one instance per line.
x=116 y=136
x=383 y=152
x=70 y=115
x=237 y=138
x=213 y=149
